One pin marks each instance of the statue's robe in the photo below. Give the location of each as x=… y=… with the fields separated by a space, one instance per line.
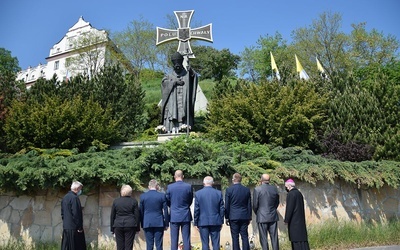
x=174 y=110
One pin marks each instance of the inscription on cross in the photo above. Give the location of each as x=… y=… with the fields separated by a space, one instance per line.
x=184 y=33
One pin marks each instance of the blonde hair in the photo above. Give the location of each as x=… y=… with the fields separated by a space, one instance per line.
x=126 y=190
x=237 y=177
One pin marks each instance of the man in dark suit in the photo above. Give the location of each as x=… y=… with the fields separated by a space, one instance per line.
x=73 y=237
x=295 y=217
x=154 y=216
x=209 y=214
x=238 y=212
x=179 y=197
x=265 y=203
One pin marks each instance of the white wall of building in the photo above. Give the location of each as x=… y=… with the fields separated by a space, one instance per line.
x=59 y=53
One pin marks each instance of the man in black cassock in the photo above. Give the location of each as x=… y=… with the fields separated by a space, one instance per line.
x=295 y=217
x=73 y=237
x=177 y=89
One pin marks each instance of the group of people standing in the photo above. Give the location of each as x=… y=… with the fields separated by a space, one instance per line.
x=158 y=211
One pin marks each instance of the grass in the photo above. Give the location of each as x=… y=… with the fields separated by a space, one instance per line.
x=152 y=89
x=330 y=235
x=347 y=235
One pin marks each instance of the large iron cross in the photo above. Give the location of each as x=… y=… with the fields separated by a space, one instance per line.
x=184 y=33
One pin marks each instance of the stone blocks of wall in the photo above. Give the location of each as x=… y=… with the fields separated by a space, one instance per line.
x=38 y=218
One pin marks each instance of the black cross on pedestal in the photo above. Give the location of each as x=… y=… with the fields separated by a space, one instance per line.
x=184 y=33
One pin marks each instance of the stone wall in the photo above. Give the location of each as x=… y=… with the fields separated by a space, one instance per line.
x=37 y=218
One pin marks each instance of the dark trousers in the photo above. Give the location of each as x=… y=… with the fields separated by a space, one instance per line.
x=207 y=232
x=73 y=240
x=154 y=234
x=239 y=227
x=300 y=245
x=124 y=237
x=272 y=229
x=174 y=231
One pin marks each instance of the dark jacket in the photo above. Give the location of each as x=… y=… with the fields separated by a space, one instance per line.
x=295 y=216
x=124 y=213
x=153 y=209
x=238 y=202
x=71 y=212
x=179 y=197
x=265 y=203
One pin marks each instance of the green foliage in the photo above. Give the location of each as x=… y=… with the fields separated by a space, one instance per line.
x=59 y=124
x=8 y=63
x=9 y=89
x=372 y=47
x=149 y=75
x=341 y=235
x=136 y=41
x=33 y=169
x=366 y=112
x=267 y=113
x=214 y=64
x=108 y=107
x=256 y=60
x=349 y=235
x=124 y=95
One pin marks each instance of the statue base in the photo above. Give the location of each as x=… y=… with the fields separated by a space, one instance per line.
x=166 y=137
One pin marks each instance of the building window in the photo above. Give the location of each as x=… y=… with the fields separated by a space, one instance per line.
x=56 y=65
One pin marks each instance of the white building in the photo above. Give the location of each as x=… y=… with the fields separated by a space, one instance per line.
x=75 y=45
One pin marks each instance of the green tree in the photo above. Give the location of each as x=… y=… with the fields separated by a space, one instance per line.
x=43 y=88
x=111 y=88
x=214 y=64
x=372 y=48
x=56 y=123
x=325 y=40
x=8 y=63
x=268 y=113
x=10 y=89
x=89 y=53
x=137 y=42
x=124 y=95
x=256 y=60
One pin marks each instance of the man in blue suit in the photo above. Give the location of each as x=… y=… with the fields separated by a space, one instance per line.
x=209 y=214
x=154 y=216
x=238 y=212
x=179 y=197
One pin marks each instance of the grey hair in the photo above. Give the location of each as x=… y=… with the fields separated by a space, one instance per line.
x=126 y=190
x=208 y=180
x=153 y=183
x=75 y=185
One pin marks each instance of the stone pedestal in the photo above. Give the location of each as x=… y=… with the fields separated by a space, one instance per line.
x=166 y=137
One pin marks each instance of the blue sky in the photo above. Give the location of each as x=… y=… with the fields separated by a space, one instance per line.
x=30 y=28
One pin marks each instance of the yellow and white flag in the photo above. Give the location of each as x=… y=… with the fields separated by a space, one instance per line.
x=274 y=67
x=300 y=70
x=321 y=69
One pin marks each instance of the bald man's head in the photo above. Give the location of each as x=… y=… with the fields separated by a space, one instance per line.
x=178 y=175
x=265 y=178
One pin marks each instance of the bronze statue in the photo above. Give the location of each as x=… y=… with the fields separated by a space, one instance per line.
x=178 y=91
